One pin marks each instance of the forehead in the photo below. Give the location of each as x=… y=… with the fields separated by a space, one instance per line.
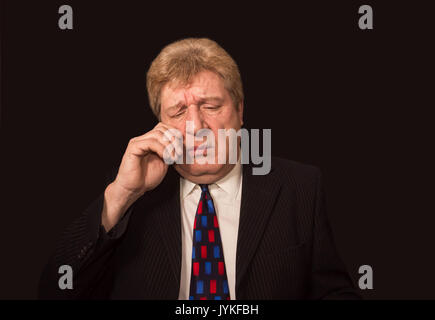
x=204 y=84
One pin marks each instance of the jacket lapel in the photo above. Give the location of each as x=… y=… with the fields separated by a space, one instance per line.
x=168 y=222
x=258 y=198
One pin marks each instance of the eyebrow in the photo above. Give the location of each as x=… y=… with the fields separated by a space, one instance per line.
x=210 y=99
x=200 y=101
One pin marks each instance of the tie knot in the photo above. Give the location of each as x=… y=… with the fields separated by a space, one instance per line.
x=204 y=187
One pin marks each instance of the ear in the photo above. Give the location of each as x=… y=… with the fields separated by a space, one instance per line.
x=240 y=111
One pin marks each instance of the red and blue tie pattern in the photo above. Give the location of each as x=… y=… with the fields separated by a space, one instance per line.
x=208 y=280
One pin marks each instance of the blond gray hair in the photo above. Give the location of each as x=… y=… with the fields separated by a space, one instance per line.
x=183 y=59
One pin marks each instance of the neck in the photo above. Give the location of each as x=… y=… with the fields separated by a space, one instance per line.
x=207 y=178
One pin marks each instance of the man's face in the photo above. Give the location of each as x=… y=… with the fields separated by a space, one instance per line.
x=207 y=104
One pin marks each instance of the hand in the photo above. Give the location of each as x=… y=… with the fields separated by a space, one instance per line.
x=142 y=169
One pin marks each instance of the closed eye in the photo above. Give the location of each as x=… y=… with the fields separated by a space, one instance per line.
x=211 y=107
x=179 y=113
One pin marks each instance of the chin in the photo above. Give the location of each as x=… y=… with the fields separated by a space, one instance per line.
x=196 y=169
x=201 y=173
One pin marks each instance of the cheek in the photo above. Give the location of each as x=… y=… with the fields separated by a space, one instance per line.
x=222 y=119
x=229 y=119
x=180 y=126
x=215 y=123
x=174 y=123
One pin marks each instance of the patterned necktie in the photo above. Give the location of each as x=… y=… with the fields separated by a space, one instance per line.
x=208 y=280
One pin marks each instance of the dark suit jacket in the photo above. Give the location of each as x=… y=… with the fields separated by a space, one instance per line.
x=285 y=248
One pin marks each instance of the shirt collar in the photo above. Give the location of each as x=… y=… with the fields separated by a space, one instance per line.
x=229 y=183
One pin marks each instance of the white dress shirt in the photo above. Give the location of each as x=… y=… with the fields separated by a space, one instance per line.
x=226 y=194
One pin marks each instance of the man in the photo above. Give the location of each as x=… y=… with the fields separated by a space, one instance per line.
x=200 y=230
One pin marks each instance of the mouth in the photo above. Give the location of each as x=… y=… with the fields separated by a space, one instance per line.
x=199 y=148
x=198 y=151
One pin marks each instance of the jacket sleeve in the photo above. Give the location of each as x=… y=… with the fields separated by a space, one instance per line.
x=330 y=279
x=87 y=249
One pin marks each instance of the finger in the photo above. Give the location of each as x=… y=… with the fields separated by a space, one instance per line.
x=166 y=136
x=174 y=135
x=155 y=143
x=175 y=139
x=168 y=130
x=160 y=127
x=141 y=148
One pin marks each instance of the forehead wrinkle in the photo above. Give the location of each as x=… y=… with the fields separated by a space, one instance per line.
x=188 y=96
x=197 y=89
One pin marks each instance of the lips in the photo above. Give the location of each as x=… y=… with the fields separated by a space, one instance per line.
x=199 y=148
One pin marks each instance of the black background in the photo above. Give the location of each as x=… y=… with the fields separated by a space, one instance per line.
x=355 y=103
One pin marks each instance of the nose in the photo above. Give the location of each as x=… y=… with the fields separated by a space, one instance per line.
x=194 y=115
